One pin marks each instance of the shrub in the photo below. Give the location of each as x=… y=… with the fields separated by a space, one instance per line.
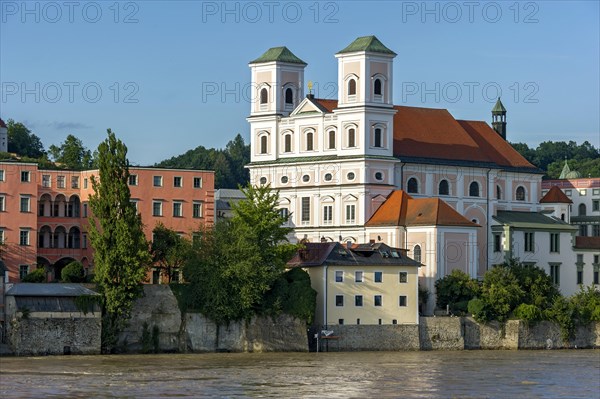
x=586 y=305
x=501 y=292
x=73 y=273
x=455 y=288
x=528 y=313
x=562 y=313
x=36 y=276
x=292 y=294
x=477 y=308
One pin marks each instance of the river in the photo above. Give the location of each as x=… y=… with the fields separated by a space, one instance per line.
x=460 y=374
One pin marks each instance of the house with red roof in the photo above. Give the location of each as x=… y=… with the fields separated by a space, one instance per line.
x=337 y=162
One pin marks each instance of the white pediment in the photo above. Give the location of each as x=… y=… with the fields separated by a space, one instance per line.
x=307 y=106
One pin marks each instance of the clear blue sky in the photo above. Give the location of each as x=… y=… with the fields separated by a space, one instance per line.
x=162 y=66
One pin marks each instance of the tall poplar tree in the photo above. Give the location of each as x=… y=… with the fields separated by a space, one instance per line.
x=121 y=251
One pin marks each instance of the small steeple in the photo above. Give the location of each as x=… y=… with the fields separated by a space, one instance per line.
x=567 y=173
x=499 y=118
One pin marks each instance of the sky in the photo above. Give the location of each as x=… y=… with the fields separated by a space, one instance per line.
x=168 y=76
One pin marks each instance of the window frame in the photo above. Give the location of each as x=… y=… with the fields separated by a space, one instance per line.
x=197 y=182
x=414 y=187
x=177 y=209
x=378 y=277
x=197 y=210
x=358 y=273
x=402 y=277
x=160 y=208
x=157 y=181
x=378 y=300
x=178 y=183
x=340 y=274
x=358 y=301
x=25 y=199
x=339 y=300
x=133 y=180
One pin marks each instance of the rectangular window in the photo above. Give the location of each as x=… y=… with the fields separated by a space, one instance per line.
x=24 y=237
x=358 y=277
x=339 y=276
x=2 y=203
x=133 y=180
x=403 y=277
x=596 y=259
x=554 y=242
x=197 y=182
x=555 y=273
x=341 y=322
x=1 y=237
x=60 y=181
x=358 y=300
x=84 y=241
x=1 y=174
x=25 y=176
x=583 y=230
x=25 y=204
x=45 y=180
x=85 y=183
x=177 y=209
x=157 y=181
x=596 y=205
x=305 y=210
x=197 y=210
x=284 y=213
x=529 y=242
x=327 y=214
x=177 y=181
x=596 y=230
x=579 y=276
x=85 y=210
x=582 y=192
x=156 y=208
x=402 y=300
x=596 y=276
x=23 y=271
x=377 y=277
x=497 y=242
x=357 y=321
x=350 y=214
x=74 y=181
x=377 y=300
x=339 y=300
x=596 y=191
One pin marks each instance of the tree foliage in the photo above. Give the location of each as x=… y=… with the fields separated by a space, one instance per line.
x=73 y=273
x=72 y=154
x=169 y=250
x=237 y=262
x=22 y=141
x=121 y=251
x=36 y=276
x=292 y=294
x=500 y=294
x=549 y=156
x=456 y=290
x=228 y=164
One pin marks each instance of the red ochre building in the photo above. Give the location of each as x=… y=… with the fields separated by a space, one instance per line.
x=44 y=214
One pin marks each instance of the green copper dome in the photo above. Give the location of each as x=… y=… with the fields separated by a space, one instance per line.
x=370 y=44
x=280 y=54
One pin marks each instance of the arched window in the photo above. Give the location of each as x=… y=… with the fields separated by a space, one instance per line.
x=351 y=138
x=309 y=141
x=352 y=87
x=377 y=138
x=474 y=189
x=264 y=95
x=582 y=210
x=417 y=253
x=498 y=192
x=287 y=143
x=520 y=193
x=289 y=96
x=444 y=188
x=412 y=186
x=331 y=145
x=263 y=144
x=377 y=87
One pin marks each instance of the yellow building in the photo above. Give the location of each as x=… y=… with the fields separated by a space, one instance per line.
x=361 y=283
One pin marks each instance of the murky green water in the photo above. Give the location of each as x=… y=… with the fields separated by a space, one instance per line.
x=463 y=374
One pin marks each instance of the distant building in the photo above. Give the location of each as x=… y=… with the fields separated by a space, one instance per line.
x=361 y=283
x=224 y=199
x=44 y=214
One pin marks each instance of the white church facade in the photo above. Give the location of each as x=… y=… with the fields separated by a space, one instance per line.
x=335 y=162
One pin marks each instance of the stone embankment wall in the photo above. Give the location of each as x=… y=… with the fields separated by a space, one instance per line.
x=364 y=337
x=40 y=334
x=195 y=333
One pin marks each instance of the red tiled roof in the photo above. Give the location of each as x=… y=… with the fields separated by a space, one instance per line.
x=555 y=196
x=2 y=124
x=400 y=209
x=434 y=133
x=587 y=243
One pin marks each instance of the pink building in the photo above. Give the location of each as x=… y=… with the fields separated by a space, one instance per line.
x=44 y=213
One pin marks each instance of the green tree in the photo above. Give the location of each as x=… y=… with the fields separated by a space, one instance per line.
x=72 y=154
x=500 y=294
x=73 y=273
x=237 y=262
x=456 y=290
x=36 y=276
x=537 y=286
x=22 y=142
x=121 y=251
x=169 y=250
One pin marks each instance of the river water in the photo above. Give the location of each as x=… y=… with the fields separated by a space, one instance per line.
x=460 y=374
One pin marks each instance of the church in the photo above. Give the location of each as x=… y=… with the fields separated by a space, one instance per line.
x=360 y=169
